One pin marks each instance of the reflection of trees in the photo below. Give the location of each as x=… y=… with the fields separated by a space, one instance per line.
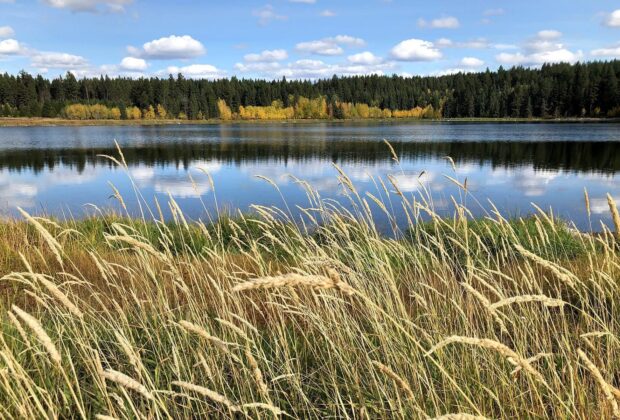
x=570 y=155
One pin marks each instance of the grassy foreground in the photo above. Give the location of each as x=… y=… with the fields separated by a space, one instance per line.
x=257 y=317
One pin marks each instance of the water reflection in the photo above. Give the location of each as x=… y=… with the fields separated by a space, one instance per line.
x=58 y=170
x=603 y=157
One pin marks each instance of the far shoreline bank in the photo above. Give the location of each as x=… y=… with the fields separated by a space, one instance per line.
x=60 y=122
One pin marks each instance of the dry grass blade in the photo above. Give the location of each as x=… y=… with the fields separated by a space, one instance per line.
x=212 y=395
x=460 y=416
x=562 y=274
x=400 y=382
x=315 y=282
x=51 y=241
x=545 y=300
x=256 y=372
x=198 y=330
x=257 y=405
x=614 y=213
x=40 y=333
x=530 y=360
x=60 y=296
x=491 y=345
x=126 y=382
x=607 y=389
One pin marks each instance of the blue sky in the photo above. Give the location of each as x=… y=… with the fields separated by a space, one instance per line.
x=300 y=38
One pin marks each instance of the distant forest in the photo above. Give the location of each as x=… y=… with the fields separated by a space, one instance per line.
x=552 y=91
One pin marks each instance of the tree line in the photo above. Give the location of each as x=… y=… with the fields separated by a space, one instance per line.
x=553 y=90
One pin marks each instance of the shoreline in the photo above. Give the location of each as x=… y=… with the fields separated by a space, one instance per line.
x=60 y=122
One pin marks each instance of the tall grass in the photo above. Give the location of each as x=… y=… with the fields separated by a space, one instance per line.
x=261 y=317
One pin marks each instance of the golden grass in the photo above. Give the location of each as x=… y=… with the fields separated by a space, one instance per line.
x=258 y=317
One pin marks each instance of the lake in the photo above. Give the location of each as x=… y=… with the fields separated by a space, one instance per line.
x=59 y=171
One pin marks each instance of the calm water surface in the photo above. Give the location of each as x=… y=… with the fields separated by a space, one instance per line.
x=59 y=171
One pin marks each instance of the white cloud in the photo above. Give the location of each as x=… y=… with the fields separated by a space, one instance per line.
x=415 y=50
x=549 y=34
x=267 y=14
x=265 y=68
x=57 y=60
x=171 y=47
x=134 y=64
x=10 y=47
x=601 y=205
x=447 y=22
x=613 y=19
x=348 y=40
x=6 y=32
x=266 y=56
x=444 y=43
x=320 y=47
x=329 y=46
x=317 y=69
x=412 y=181
x=91 y=6
x=476 y=43
x=472 y=62
x=450 y=71
x=542 y=48
x=198 y=71
x=365 y=57
x=328 y=13
x=505 y=47
x=607 y=52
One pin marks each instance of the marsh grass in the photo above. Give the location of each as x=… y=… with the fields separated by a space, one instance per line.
x=260 y=316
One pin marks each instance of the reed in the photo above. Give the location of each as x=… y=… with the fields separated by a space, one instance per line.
x=126 y=382
x=316 y=282
x=40 y=333
x=615 y=216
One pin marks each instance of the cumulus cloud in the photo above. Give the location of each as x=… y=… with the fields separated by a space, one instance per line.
x=10 y=47
x=134 y=64
x=266 y=56
x=329 y=46
x=446 y=22
x=613 y=19
x=320 y=47
x=267 y=14
x=268 y=61
x=328 y=13
x=90 y=6
x=257 y=67
x=169 y=48
x=542 y=48
x=198 y=71
x=6 y=32
x=365 y=57
x=612 y=52
x=57 y=60
x=472 y=62
x=415 y=50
